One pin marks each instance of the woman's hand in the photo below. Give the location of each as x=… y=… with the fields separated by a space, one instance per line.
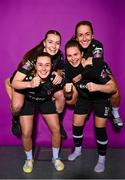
x=35 y=81
x=57 y=79
x=92 y=87
x=86 y=62
x=77 y=78
x=68 y=87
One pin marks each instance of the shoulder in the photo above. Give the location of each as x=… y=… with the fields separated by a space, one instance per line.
x=97 y=47
x=102 y=65
x=98 y=63
x=97 y=43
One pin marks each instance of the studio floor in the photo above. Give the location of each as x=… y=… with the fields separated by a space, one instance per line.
x=12 y=159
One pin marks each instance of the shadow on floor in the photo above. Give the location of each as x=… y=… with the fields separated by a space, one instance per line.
x=12 y=159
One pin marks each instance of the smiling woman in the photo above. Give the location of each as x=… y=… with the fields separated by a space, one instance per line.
x=38 y=89
x=43 y=68
x=93 y=48
x=93 y=91
x=50 y=44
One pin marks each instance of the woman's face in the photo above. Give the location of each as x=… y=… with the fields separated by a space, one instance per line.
x=43 y=66
x=84 y=35
x=52 y=44
x=74 y=56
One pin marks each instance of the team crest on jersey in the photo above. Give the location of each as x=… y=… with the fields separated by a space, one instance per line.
x=97 y=52
x=103 y=74
x=49 y=91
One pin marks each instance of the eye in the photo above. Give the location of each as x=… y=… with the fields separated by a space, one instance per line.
x=48 y=65
x=50 y=42
x=68 y=56
x=88 y=34
x=58 y=43
x=80 y=35
x=39 y=64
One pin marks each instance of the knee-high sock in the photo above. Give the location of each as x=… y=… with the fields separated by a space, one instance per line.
x=78 y=135
x=102 y=140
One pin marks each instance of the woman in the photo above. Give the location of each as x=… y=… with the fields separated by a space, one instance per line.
x=92 y=48
x=94 y=90
x=38 y=88
x=50 y=44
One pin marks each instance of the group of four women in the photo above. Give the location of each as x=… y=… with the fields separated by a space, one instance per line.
x=44 y=83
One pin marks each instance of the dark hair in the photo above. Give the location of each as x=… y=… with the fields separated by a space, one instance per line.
x=42 y=54
x=52 y=32
x=32 y=53
x=73 y=43
x=88 y=23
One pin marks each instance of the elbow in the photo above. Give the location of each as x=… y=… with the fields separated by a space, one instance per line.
x=7 y=82
x=14 y=84
x=115 y=90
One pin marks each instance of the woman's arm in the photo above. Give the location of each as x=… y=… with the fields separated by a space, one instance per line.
x=109 y=87
x=8 y=88
x=19 y=83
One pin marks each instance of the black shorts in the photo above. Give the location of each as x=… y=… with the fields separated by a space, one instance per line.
x=100 y=107
x=30 y=108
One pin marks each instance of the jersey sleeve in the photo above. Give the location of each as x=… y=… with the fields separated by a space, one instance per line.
x=97 y=50
x=68 y=78
x=27 y=67
x=104 y=74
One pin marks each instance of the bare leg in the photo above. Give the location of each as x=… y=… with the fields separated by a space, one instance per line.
x=59 y=101
x=26 y=123
x=17 y=102
x=27 y=126
x=8 y=88
x=53 y=124
x=115 y=103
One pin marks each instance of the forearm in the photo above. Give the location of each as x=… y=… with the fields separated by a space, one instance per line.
x=18 y=81
x=109 y=87
x=16 y=84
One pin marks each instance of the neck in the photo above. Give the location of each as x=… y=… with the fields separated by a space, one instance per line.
x=42 y=80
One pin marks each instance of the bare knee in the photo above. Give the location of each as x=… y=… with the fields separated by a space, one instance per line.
x=59 y=101
x=73 y=100
x=16 y=108
x=17 y=104
x=59 y=96
x=56 y=131
x=26 y=134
